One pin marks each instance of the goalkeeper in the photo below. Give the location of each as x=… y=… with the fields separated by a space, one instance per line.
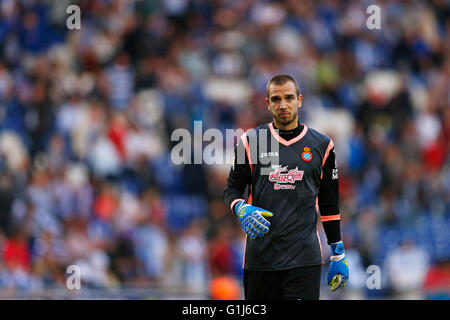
x=283 y=254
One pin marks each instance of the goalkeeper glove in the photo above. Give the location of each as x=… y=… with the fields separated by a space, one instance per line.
x=338 y=271
x=252 y=219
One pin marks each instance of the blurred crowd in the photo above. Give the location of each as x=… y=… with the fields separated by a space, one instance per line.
x=86 y=118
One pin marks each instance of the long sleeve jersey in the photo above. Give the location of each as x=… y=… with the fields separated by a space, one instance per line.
x=294 y=175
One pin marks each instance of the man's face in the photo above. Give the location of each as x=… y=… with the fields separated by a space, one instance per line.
x=284 y=103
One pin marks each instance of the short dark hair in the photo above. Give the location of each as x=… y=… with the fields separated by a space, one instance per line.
x=280 y=79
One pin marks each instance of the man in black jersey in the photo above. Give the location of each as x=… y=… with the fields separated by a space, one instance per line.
x=283 y=254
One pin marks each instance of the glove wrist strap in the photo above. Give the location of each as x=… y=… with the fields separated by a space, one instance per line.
x=242 y=207
x=238 y=206
x=338 y=257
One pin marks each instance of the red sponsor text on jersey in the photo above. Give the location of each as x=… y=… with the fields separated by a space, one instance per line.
x=291 y=176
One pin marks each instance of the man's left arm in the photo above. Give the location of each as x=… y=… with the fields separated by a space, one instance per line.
x=328 y=201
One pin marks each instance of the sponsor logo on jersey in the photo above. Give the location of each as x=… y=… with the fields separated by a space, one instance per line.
x=335 y=174
x=278 y=186
x=285 y=180
x=307 y=155
x=268 y=154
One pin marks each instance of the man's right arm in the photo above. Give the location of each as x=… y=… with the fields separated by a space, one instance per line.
x=252 y=219
x=240 y=176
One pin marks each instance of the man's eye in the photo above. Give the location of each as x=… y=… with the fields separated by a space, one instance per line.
x=276 y=99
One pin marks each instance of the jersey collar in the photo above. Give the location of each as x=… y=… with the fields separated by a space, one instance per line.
x=286 y=142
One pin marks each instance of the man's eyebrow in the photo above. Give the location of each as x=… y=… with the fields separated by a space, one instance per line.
x=287 y=95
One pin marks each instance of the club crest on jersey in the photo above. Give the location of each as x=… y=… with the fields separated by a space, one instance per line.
x=307 y=155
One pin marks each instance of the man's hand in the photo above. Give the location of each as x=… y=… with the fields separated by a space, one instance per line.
x=338 y=271
x=252 y=219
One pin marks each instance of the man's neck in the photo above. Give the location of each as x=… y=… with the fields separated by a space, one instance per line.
x=290 y=134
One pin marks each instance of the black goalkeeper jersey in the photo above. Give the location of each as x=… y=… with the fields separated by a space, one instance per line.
x=293 y=179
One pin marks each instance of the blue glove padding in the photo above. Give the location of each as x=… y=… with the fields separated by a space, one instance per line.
x=252 y=219
x=338 y=271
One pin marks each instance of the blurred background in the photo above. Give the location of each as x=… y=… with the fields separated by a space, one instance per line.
x=86 y=116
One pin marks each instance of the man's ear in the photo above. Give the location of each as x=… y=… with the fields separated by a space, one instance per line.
x=300 y=100
x=268 y=104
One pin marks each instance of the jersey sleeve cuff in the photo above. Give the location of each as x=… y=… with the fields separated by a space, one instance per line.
x=330 y=217
x=234 y=202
